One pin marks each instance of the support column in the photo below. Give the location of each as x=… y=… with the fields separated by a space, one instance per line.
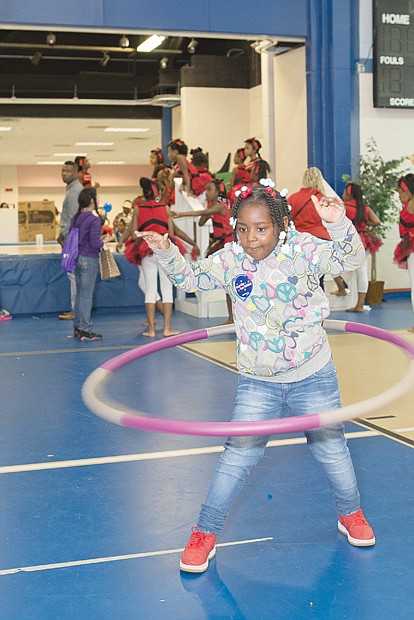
x=268 y=109
x=166 y=129
x=330 y=82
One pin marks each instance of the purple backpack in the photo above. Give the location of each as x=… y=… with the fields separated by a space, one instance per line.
x=70 y=251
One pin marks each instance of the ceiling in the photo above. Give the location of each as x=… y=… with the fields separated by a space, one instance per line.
x=99 y=65
x=33 y=140
x=59 y=88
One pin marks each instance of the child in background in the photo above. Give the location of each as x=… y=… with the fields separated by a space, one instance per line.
x=177 y=154
x=285 y=363
x=252 y=148
x=199 y=160
x=156 y=159
x=239 y=174
x=218 y=210
x=362 y=217
x=153 y=214
x=404 y=252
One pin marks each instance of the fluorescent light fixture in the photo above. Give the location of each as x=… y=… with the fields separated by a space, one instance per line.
x=126 y=129
x=67 y=154
x=151 y=43
x=5 y=128
x=50 y=163
x=94 y=143
x=110 y=163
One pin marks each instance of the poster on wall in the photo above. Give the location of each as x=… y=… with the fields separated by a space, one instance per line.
x=393 y=53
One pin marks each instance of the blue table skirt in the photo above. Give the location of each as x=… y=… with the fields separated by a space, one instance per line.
x=34 y=284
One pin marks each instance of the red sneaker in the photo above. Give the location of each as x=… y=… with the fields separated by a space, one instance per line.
x=199 y=550
x=357 y=529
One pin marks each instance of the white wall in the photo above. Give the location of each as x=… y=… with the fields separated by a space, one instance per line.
x=393 y=131
x=291 y=119
x=176 y=122
x=216 y=119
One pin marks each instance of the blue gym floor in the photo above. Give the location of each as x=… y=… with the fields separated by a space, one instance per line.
x=94 y=516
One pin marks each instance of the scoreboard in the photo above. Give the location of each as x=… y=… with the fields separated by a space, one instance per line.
x=393 y=53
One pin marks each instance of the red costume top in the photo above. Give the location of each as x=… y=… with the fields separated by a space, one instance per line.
x=205 y=176
x=152 y=215
x=251 y=164
x=406 y=245
x=370 y=240
x=242 y=175
x=304 y=214
x=198 y=182
x=222 y=228
x=86 y=179
x=231 y=196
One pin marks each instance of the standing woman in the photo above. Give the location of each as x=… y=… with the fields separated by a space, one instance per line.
x=305 y=216
x=87 y=267
x=362 y=217
x=404 y=252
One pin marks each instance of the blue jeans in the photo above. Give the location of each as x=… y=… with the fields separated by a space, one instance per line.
x=86 y=272
x=263 y=400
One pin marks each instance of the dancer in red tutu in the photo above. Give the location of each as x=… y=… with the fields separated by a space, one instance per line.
x=404 y=252
x=362 y=217
x=152 y=214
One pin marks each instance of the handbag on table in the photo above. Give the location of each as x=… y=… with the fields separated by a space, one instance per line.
x=107 y=265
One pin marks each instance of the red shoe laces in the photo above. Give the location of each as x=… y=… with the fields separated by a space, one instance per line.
x=358 y=519
x=196 y=540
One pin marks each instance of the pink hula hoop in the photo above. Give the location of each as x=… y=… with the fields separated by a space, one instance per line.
x=94 y=396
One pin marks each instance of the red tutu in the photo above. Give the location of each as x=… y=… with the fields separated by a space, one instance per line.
x=136 y=250
x=370 y=240
x=403 y=250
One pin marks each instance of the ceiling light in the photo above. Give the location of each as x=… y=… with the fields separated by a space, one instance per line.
x=123 y=42
x=151 y=43
x=110 y=163
x=164 y=62
x=126 y=129
x=36 y=58
x=51 y=39
x=50 y=163
x=191 y=47
x=67 y=154
x=105 y=59
x=94 y=143
x=5 y=128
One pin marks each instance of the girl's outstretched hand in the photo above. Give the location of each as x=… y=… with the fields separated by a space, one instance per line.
x=154 y=239
x=329 y=209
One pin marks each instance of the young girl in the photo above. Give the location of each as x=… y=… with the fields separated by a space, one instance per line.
x=156 y=159
x=404 y=252
x=272 y=275
x=239 y=173
x=199 y=160
x=152 y=214
x=259 y=169
x=362 y=217
x=177 y=153
x=218 y=210
x=87 y=266
x=252 y=148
